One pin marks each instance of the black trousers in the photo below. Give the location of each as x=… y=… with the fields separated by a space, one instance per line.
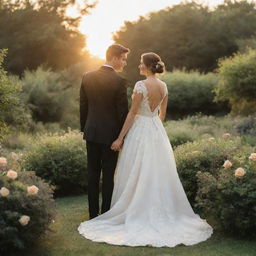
x=100 y=158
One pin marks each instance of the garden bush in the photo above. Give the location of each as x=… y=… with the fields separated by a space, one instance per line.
x=237 y=83
x=12 y=111
x=61 y=160
x=179 y=134
x=229 y=194
x=191 y=93
x=247 y=130
x=199 y=127
x=205 y=155
x=27 y=208
x=50 y=96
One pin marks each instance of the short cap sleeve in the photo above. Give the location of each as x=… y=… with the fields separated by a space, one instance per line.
x=139 y=88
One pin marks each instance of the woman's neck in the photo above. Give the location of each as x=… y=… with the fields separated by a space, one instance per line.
x=149 y=76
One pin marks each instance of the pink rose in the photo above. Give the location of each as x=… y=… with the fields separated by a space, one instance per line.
x=32 y=190
x=24 y=220
x=226 y=135
x=227 y=164
x=3 y=161
x=12 y=174
x=4 y=192
x=239 y=172
x=253 y=157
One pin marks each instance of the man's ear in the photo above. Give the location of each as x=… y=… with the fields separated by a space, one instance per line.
x=115 y=58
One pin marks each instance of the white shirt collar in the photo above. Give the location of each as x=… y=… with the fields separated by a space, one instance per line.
x=109 y=66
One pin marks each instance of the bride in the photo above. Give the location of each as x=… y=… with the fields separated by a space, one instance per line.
x=149 y=205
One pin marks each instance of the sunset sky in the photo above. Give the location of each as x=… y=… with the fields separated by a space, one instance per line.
x=109 y=16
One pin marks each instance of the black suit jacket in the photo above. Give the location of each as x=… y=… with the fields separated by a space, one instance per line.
x=103 y=105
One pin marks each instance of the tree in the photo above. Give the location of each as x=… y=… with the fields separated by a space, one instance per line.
x=189 y=35
x=39 y=33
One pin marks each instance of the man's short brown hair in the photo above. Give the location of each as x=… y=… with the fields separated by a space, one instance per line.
x=115 y=50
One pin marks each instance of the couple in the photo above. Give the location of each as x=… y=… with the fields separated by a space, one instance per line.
x=145 y=204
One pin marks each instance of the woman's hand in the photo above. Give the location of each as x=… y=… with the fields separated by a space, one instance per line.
x=117 y=145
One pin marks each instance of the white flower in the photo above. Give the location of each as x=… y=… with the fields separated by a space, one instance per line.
x=4 y=192
x=24 y=220
x=211 y=139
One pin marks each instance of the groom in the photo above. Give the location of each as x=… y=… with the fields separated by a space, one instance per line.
x=103 y=109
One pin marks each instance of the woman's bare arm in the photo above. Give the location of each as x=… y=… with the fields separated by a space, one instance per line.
x=163 y=108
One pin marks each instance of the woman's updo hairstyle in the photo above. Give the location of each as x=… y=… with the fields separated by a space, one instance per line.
x=153 y=62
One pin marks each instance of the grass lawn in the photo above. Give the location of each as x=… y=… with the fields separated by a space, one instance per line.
x=66 y=241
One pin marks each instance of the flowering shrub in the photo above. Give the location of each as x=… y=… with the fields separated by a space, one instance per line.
x=26 y=208
x=61 y=160
x=206 y=155
x=229 y=194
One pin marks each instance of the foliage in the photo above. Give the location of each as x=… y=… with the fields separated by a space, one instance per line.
x=247 y=130
x=53 y=97
x=39 y=207
x=191 y=93
x=46 y=94
x=199 y=127
x=50 y=37
x=189 y=35
x=205 y=156
x=230 y=198
x=61 y=160
x=9 y=101
x=237 y=83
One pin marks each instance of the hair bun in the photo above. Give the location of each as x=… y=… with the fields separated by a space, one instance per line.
x=159 y=68
x=153 y=62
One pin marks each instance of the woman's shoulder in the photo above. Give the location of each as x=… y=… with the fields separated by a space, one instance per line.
x=164 y=85
x=139 y=87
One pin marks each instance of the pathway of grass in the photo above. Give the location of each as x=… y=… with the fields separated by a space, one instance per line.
x=66 y=241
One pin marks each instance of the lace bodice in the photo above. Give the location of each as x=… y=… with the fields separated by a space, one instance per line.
x=144 y=109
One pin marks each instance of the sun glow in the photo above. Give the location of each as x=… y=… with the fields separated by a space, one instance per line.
x=110 y=15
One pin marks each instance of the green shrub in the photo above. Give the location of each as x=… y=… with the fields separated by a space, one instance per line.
x=14 y=141
x=205 y=156
x=48 y=95
x=198 y=127
x=237 y=83
x=39 y=207
x=247 y=130
x=9 y=101
x=179 y=134
x=191 y=93
x=61 y=160
x=228 y=198
x=247 y=126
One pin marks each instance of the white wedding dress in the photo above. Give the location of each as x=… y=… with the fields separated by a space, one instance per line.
x=149 y=205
